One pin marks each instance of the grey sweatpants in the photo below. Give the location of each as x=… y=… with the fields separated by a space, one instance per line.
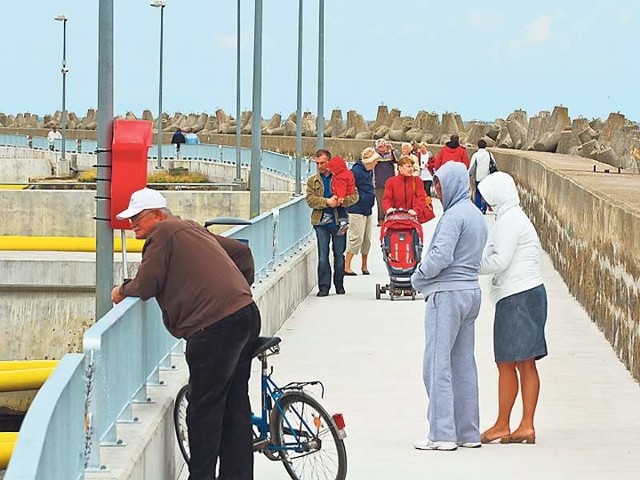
x=449 y=368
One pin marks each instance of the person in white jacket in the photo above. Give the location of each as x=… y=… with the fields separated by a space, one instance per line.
x=480 y=167
x=512 y=255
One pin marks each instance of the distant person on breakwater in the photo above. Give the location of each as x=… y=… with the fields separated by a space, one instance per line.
x=178 y=139
x=384 y=170
x=52 y=136
x=191 y=138
x=479 y=168
x=426 y=159
x=452 y=151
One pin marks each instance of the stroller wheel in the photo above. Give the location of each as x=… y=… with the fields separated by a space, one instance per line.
x=377 y=291
x=392 y=293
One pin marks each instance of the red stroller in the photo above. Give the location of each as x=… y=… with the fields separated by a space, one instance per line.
x=401 y=243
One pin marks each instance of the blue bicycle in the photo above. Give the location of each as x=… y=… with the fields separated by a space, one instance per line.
x=293 y=427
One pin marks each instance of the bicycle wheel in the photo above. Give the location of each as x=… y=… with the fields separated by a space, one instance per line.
x=311 y=447
x=180 y=422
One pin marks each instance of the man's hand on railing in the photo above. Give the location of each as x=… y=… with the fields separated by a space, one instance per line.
x=116 y=296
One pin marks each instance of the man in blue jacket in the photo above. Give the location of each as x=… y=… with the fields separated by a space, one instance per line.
x=359 y=239
x=448 y=279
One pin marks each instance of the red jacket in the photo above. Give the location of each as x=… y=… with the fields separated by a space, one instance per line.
x=446 y=154
x=343 y=182
x=407 y=193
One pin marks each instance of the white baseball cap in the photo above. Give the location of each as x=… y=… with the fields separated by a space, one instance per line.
x=144 y=199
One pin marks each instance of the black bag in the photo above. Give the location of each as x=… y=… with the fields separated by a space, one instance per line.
x=493 y=167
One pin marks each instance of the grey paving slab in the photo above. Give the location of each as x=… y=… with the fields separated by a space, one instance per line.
x=368 y=354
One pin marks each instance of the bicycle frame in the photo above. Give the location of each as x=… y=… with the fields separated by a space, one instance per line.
x=270 y=395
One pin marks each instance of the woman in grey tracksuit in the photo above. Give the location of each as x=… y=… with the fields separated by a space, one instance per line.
x=448 y=279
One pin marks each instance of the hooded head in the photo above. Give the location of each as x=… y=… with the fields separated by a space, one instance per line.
x=454 y=183
x=454 y=141
x=337 y=165
x=499 y=191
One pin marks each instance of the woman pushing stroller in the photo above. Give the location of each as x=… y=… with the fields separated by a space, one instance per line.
x=406 y=192
x=401 y=232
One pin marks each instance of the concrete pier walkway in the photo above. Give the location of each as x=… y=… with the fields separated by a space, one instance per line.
x=368 y=353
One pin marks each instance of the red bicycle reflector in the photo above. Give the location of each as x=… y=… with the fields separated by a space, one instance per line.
x=338 y=420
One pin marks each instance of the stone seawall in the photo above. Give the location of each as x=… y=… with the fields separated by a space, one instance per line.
x=589 y=223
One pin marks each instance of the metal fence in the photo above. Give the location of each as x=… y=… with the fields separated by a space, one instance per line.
x=52 y=437
x=271 y=161
x=79 y=407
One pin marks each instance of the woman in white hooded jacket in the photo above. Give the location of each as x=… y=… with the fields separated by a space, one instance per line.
x=512 y=255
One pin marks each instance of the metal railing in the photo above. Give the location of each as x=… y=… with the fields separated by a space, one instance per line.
x=52 y=437
x=123 y=352
x=119 y=372
x=293 y=227
x=271 y=161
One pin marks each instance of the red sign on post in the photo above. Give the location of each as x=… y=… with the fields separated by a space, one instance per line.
x=131 y=142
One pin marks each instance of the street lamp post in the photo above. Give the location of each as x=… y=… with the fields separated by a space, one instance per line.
x=320 y=119
x=160 y=4
x=63 y=121
x=238 y=126
x=299 y=106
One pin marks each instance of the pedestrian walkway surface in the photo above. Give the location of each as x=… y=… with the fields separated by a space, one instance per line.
x=368 y=354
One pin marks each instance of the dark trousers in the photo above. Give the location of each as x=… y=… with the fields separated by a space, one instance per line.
x=379 y=195
x=427 y=186
x=479 y=201
x=219 y=412
x=324 y=236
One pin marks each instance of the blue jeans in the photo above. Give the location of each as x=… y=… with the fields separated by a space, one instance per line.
x=324 y=235
x=479 y=201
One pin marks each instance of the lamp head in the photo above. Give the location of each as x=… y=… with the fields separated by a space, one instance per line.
x=61 y=18
x=158 y=3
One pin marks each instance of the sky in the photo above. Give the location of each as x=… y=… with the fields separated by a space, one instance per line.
x=482 y=60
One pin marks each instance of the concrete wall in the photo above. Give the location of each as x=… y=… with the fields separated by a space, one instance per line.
x=20 y=165
x=589 y=223
x=70 y=213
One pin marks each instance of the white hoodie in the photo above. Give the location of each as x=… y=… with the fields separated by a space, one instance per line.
x=512 y=252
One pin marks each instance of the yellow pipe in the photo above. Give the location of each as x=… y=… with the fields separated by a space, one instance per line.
x=8 y=437
x=18 y=380
x=64 y=244
x=6 y=449
x=26 y=365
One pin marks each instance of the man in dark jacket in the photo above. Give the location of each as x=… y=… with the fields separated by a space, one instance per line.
x=205 y=298
x=359 y=239
x=385 y=169
x=178 y=139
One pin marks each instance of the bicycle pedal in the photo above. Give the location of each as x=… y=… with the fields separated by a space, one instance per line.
x=259 y=444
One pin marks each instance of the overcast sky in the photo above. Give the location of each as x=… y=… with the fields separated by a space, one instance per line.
x=480 y=59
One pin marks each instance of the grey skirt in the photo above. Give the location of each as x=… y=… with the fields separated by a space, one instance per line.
x=518 y=327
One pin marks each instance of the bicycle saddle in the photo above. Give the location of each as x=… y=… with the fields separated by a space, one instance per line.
x=264 y=343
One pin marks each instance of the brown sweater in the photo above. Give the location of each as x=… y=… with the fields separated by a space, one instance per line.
x=194 y=280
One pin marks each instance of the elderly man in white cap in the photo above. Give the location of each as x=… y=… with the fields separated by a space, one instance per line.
x=205 y=298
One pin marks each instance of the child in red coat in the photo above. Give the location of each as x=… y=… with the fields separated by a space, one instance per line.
x=343 y=184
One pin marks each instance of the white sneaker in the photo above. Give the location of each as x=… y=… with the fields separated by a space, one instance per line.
x=427 y=444
x=470 y=444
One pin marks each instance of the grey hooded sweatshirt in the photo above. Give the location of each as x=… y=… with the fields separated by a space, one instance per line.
x=453 y=258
